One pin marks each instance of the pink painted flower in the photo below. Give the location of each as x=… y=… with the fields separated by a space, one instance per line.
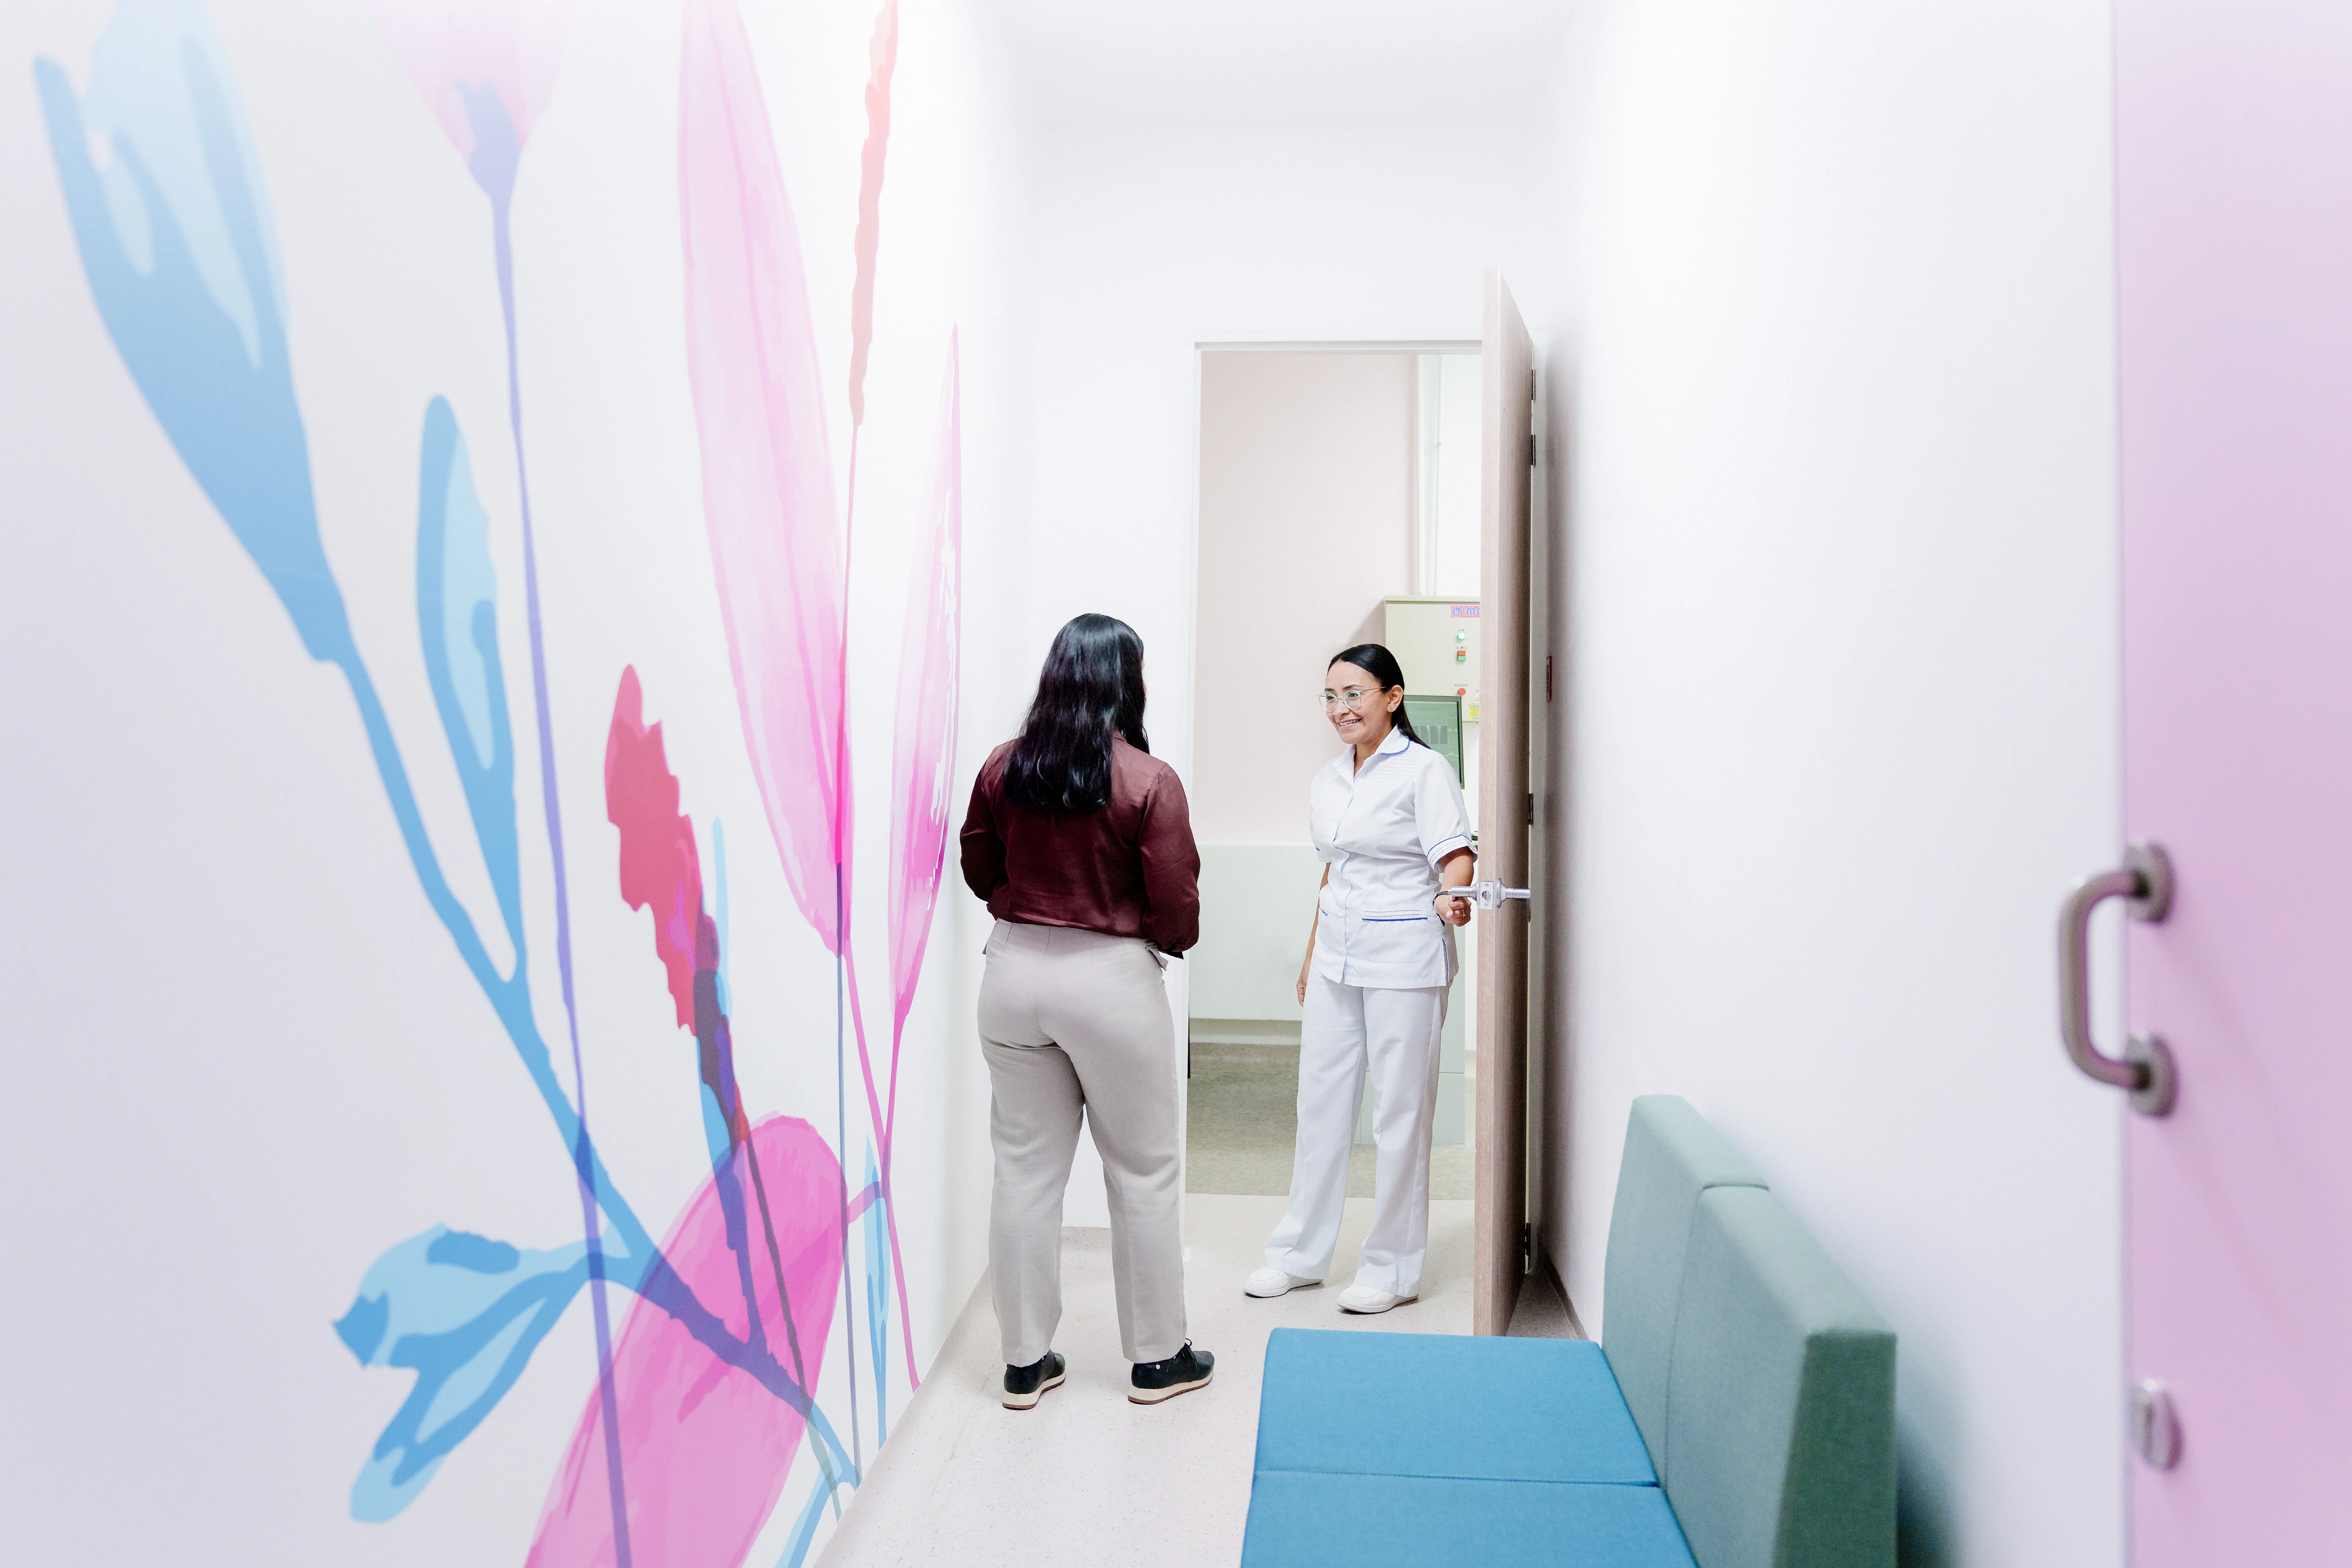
x=923 y=772
x=660 y=868
x=767 y=473
x=707 y=1439
x=459 y=51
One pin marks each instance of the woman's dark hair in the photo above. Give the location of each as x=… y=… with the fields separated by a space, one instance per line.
x=1091 y=689
x=1382 y=666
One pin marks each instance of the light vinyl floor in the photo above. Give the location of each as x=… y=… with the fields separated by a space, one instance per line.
x=1087 y=1479
x=1241 y=1127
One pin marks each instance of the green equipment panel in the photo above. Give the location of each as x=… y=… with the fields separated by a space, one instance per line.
x=1438 y=722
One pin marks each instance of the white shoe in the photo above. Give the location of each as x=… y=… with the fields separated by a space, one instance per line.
x=1273 y=1282
x=1364 y=1299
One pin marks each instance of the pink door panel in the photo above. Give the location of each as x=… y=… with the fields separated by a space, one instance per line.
x=2234 y=268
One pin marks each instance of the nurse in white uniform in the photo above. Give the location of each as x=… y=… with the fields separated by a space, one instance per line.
x=1390 y=826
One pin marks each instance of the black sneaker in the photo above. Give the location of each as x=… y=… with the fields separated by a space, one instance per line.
x=1154 y=1381
x=1023 y=1386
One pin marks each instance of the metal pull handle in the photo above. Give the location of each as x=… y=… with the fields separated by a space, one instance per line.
x=1490 y=895
x=2144 y=882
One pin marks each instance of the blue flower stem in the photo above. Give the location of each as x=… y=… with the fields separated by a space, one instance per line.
x=642 y=1266
x=639 y=1266
x=510 y=996
x=804 y=1528
x=582 y=1148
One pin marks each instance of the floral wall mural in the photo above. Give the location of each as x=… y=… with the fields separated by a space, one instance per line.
x=751 y=1344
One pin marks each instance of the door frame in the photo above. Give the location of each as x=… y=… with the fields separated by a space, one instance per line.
x=1537 y=718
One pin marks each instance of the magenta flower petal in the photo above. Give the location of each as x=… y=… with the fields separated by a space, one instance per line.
x=705 y=1445
x=660 y=868
x=767 y=473
x=923 y=773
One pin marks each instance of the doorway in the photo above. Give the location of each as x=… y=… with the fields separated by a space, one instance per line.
x=1339 y=503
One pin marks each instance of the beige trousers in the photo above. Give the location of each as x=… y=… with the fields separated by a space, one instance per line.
x=1072 y=1020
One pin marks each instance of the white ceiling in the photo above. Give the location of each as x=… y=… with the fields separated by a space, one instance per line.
x=1194 y=65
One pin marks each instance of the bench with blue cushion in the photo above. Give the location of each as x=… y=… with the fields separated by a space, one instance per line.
x=1739 y=1413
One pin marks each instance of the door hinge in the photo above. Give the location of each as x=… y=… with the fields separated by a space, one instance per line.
x=1527 y=1249
x=1531 y=809
x=1547 y=677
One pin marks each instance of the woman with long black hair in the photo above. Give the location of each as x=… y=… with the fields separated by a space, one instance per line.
x=1081 y=843
x=1390 y=826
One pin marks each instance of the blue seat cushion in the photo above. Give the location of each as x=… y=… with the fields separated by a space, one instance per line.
x=1445 y=1406
x=1307 y=1519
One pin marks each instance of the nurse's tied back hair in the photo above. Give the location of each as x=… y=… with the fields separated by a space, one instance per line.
x=1382 y=666
x=1091 y=689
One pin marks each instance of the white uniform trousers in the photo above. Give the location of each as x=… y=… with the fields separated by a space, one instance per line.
x=1395 y=1034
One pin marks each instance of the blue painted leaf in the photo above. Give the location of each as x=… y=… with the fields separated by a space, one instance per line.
x=176 y=240
x=457 y=613
x=465 y=1312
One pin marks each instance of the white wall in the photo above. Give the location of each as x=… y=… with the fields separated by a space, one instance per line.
x=1257 y=903
x=1311 y=486
x=1822 y=301
x=1150 y=243
x=1307 y=527
x=1839 y=573
x=243 y=1058
x=1459 y=458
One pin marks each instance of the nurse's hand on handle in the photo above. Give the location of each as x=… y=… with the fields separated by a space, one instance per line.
x=1452 y=907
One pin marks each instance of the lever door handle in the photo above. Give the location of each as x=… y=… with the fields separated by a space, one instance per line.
x=1490 y=895
x=2144 y=882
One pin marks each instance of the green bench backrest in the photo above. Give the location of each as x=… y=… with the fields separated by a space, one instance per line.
x=1781 y=1398
x=1672 y=1156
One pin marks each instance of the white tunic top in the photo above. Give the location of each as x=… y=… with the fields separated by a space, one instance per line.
x=1383 y=830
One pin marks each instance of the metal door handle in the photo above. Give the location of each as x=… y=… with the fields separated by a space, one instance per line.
x=2144 y=882
x=1490 y=895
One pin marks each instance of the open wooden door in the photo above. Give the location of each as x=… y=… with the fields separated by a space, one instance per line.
x=1504 y=809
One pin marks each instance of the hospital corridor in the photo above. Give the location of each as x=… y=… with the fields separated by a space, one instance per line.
x=1002 y=783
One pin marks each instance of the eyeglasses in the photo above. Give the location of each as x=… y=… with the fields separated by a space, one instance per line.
x=1353 y=697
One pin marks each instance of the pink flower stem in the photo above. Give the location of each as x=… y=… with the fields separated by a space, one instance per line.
x=890 y=1204
x=890 y=1209
x=848 y=960
x=841 y=969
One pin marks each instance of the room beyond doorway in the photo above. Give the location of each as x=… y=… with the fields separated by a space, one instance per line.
x=1339 y=503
